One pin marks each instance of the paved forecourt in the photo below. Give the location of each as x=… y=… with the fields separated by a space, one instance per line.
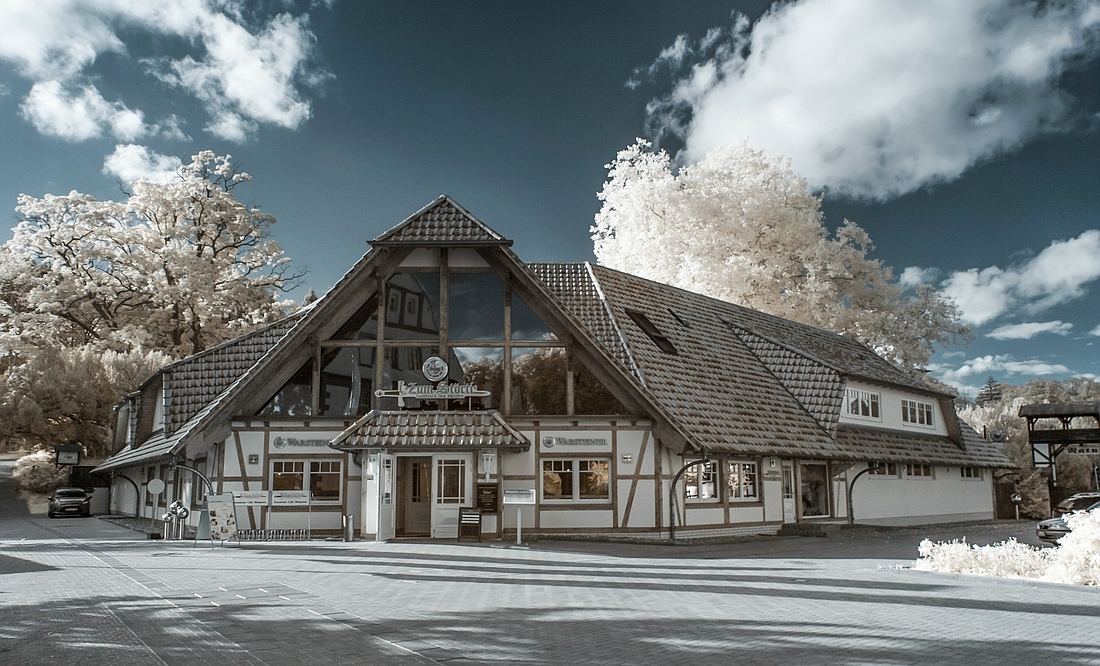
x=85 y=591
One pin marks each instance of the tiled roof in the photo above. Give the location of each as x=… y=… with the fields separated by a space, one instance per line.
x=192 y=383
x=573 y=285
x=442 y=222
x=431 y=431
x=819 y=388
x=866 y=443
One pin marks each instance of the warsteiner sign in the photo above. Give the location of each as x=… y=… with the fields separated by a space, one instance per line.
x=443 y=391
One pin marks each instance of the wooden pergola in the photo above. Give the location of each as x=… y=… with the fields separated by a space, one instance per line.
x=1047 y=444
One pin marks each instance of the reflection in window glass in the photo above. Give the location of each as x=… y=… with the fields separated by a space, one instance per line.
x=741 y=479
x=538 y=380
x=295 y=397
x=403 y=364
x=483 y=367
x=590 y=397
x=363 y=325
x=324 y=479
x=347 y=378
x=593 y=479
x=476 y=307
x=288 y=475
x=526 y=325
x=557 y=479
x=412 y=304
x=815 y=489
x=452 y=482
x=701 y=481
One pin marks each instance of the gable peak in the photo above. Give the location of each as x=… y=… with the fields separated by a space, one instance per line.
x=442 y=222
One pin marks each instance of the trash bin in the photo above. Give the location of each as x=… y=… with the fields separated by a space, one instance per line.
x=349 y=528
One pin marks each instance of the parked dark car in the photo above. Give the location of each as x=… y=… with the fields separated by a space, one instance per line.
x=1052 y=529
x=70 y=502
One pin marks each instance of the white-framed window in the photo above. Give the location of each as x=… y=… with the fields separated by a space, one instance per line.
x=451 y=481
x=862 y=404
x=323 y=478
x=916 y=412
x=882 y=469
x=576 y=479
x=741 y=479
x=970 y=472
x=701 y=481
x=918 y=470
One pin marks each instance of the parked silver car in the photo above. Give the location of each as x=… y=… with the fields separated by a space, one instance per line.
x=69 y=502
x=1052 y=529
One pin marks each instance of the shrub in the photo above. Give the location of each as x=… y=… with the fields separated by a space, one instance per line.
x=1075 y=560
x=37 y=473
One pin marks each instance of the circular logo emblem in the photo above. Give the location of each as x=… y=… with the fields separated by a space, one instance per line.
x=434 y=369
x=279 y=442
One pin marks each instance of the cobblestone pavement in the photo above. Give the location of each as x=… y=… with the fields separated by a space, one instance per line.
x=84 y=591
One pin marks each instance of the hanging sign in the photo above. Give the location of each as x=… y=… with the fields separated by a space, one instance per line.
x=442 y=391
x=290 y=498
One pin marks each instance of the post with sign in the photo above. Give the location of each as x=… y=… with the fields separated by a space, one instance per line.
x=520 y=498
x=155 y=487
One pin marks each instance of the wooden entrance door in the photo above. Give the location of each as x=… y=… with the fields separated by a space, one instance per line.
x=414 y=488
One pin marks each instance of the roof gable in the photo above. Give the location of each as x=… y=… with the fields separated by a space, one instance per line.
x=442 y=222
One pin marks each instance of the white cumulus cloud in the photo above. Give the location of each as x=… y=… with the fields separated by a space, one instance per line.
x=82 y=115
x=876 y=98
x=132 y=162
x=983 y=366
x=1029 y=330
x=246 y=71
x=1061 y=272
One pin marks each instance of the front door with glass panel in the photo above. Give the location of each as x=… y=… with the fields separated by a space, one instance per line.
x=414 y=491
x=452 y=482
x=814 y=487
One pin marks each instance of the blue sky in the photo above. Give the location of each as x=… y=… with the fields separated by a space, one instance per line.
x=964 y=137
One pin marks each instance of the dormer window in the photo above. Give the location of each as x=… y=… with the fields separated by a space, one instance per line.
x=654 y=333
x=862 y=404
x=916 y=412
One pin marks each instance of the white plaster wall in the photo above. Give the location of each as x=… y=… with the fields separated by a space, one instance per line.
x=890 y=410
x=747 y=514
x=772 y=492
x=577 y=519
x=703 y=513
x=946 y=495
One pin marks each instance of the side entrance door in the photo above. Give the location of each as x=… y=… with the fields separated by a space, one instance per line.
x=386 y=504
x=789 y=515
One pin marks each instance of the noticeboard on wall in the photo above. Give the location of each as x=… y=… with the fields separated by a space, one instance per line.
x=519 y=496
x=488 y=497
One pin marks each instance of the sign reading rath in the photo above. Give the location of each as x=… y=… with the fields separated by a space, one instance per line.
x=443 y=391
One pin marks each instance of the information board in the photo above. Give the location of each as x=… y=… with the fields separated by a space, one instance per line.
x=223 y=519
x=488 y=497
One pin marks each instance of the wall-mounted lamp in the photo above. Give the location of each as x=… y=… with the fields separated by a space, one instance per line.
x=488 y=462
x=627 y=458
x=253 y=459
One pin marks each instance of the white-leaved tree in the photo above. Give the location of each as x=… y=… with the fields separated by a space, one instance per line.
x=96 y=295
x=743 y=227
x=177 y=267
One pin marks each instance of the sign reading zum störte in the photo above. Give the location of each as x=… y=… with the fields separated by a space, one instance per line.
x=442 y=391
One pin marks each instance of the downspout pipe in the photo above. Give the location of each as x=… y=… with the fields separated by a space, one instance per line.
x=672 y=494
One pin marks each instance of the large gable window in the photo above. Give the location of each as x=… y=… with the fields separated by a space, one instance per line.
x=476 y=306
x=295 y=397
x=412 y=304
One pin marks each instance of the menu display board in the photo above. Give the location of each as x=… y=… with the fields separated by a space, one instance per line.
x=223 y=520
x=488 y=497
